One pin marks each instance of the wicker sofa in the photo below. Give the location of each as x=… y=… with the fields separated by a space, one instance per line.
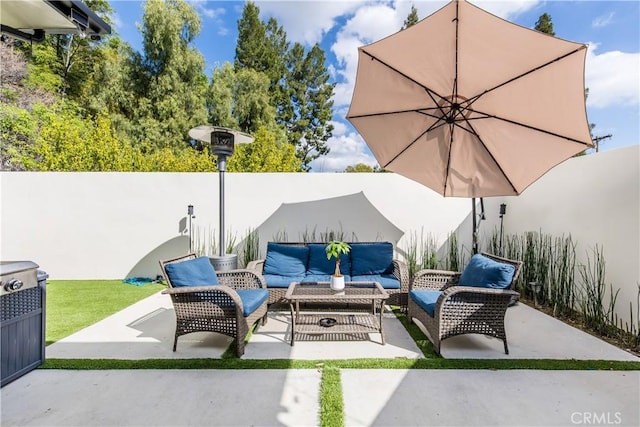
x=475 y=301
x=290 y=262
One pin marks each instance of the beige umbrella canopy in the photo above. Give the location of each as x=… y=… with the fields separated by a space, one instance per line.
x=469 y=104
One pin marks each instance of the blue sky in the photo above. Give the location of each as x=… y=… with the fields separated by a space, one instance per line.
x=610 y=28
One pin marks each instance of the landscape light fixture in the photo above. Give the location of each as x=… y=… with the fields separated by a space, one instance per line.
x=221 y=142
x=190 y=216
x=503 y=211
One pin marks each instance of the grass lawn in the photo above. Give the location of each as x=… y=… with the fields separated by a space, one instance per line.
x=76 y=304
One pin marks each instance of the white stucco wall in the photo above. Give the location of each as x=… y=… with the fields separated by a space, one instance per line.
x=114 y=225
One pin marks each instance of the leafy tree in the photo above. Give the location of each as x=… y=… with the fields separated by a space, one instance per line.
x=412 y=18
x=270 y=152
x=544 y=24
x=167 y=82
x=239 y=99
x=307 y=115
x=359 y=167
x=299 y=87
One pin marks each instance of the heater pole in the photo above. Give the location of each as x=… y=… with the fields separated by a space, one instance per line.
x=222 y=166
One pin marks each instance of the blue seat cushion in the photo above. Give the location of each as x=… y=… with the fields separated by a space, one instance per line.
x=371 y=258
x=387 y=281
x=323 y=278
x=319 y=264
x=252 y=299
x=193 y=272
x=426 y=299
x=278 y=281
x=483 y=272
x=286 y=260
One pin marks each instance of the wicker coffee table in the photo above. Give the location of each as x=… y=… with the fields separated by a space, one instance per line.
x=331 y=321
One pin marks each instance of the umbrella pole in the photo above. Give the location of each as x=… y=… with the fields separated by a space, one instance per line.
x=474 y=243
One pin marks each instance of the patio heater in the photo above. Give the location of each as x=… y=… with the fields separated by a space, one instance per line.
x=190 y=217
x=221 y=142
x=503 y=211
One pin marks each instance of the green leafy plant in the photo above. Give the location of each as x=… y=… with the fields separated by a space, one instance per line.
x=334 y=249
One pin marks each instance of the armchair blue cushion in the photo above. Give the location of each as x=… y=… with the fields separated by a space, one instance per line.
x=371 y=258
x=193 y=272
x=319 y=264
x=286 y=260
x=252 y=299
x=482 y=272
x=426 y=299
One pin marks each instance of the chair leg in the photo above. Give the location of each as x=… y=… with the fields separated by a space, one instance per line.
x=175 y=342
x=506 y=348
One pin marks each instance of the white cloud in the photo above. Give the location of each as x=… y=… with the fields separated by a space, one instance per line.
x=506 y=9
x=603 y=21
x=347 y=148
x=307 y=22
x=612 y=78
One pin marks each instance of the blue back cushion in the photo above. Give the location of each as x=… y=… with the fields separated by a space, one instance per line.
x=319 y=264
x=483 y=272
x=193 y=272
x=371 y=258
x=286 y=260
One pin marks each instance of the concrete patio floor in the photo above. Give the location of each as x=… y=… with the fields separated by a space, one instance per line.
x=289 y=397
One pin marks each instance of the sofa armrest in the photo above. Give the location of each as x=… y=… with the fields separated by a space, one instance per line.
x=437 y=280
x=401 y=271
x=257 y=266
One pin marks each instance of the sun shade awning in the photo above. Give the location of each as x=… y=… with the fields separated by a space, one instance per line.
x=31 y=19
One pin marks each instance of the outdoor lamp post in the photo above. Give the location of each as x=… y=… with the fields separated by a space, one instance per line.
x=221 y=142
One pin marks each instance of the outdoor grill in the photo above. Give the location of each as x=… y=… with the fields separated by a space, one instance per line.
x=22 y=318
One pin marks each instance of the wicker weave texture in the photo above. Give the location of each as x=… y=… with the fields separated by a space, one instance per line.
x=215 y=308
x=396 y=296
x=463 y=309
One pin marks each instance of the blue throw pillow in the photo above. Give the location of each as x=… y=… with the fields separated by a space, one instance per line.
x=319 y=264
x=286 y=260
x=371 y=258
x=193 y=272
x=483 y=272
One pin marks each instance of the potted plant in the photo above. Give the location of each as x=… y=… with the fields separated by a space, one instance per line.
x=334 y=249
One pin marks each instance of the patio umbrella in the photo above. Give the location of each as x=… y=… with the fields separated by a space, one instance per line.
x=469 y=104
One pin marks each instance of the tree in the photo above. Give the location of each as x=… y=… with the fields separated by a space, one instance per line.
x=359 y=168
x=544 y=24
x=412 y=18
x=299 y=88
x=167 y=82
x=307 y=115
x=239 y=99
x=270 y=152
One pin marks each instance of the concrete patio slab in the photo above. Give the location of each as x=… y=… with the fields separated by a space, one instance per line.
x=272 y=341
x=532 y=334
x=490 y=398
x=145 y=330
x=284 y=397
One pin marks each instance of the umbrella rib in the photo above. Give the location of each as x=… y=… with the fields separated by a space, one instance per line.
x=403 y=75
x=492 y=116
x=446 y=170
x=492 y=156
x=475 y=98
x=430 y=128
x=413 y=110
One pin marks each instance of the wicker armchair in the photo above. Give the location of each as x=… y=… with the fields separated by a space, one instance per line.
x=217 y=308
x=462 y=309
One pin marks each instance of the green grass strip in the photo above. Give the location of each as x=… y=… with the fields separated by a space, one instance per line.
x=421 y=340
x=496 y=364
x=75 y=304
x=331 y=403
